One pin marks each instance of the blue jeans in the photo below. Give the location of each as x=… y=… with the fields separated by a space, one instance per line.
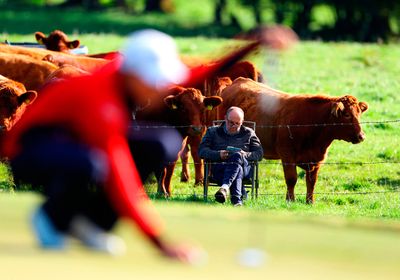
x=232 y=172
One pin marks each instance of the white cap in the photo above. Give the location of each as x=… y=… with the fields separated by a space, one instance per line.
x=153 y=57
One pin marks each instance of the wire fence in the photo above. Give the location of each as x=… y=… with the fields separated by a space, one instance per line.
x=392 y=186
x=153 y=126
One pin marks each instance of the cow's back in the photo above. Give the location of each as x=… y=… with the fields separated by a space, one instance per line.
x=28 y=71
x=36 y=53
x=260 y=103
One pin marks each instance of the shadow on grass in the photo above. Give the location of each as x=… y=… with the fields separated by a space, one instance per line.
x=29 y=20
x=392 y=184
x=182 y=198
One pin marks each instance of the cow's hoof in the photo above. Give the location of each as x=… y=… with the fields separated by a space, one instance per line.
x=162 y=195
x=184 y=179
x=198 y=183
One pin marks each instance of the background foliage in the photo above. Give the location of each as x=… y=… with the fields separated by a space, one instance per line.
x=360 y=20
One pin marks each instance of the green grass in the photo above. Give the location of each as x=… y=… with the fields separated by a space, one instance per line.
x=297 y=247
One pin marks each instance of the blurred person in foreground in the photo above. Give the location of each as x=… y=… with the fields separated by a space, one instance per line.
x=231 y=146
x=73 y=143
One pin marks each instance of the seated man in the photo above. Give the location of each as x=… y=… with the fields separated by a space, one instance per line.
x=232 y=164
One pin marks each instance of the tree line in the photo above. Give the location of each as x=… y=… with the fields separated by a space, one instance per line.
x=360 y=20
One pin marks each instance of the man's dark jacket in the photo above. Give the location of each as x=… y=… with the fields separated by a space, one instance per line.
x=216 y=139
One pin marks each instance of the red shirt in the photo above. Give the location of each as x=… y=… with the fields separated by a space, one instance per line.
x=92 y=108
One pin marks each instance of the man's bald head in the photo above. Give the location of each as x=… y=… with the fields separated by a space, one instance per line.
x=234 y=119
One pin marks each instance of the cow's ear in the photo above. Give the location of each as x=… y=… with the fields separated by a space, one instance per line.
x=363 y=106
x=27 y=97
x=73 y=44
x=337 y=109
x=212 y=102
x=40 y=38
x=49 y=58
x=170 y=101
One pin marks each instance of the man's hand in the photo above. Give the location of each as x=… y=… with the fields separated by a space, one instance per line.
x=224 y=154
x=186 y=253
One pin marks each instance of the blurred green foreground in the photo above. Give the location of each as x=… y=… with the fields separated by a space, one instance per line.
x=296 y=247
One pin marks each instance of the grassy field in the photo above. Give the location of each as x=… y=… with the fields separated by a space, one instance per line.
x=357 y=180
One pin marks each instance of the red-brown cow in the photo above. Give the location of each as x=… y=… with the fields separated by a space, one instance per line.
x=57 y=41
x=26 y=70
x=194 y=141
x=13 y=100
x=184 y=108
x=286 y=126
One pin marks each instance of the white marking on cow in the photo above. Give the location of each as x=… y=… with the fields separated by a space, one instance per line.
x=270 y=100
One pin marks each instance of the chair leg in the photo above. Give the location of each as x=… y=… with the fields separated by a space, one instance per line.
x=205 y=182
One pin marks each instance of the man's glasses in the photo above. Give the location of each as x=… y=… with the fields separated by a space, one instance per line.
x=232 y=123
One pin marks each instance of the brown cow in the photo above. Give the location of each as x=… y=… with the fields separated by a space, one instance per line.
x=26 y=70
x=184 y=108
x=286 y=126
x=13 y=100
x=194 y=141
x=56 y=41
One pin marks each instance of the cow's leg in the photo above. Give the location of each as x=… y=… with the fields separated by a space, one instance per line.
x=185 y=175
x=168 y=177
x=311 y=179
x=198 y=162
x=291 y=180
x=169 y=171
x=161 y=190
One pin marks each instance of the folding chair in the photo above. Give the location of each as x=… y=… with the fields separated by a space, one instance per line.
x=252 y=182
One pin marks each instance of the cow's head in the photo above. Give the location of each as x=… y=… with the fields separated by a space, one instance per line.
x=56 y=41
x=348 y=110
x=189 y=108
x=13 y=101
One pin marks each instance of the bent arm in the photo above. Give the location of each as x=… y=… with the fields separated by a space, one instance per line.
x=126 y=190
x=206 y=150
x=256 y=151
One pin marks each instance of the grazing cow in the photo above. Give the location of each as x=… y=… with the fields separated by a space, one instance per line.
x=13 y=100
x=184 y=108
x=56 y=41
x=26 y=70
x=286 y=126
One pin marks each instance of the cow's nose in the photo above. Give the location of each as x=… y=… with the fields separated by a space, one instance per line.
x=197 y=129
x=361 y=136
